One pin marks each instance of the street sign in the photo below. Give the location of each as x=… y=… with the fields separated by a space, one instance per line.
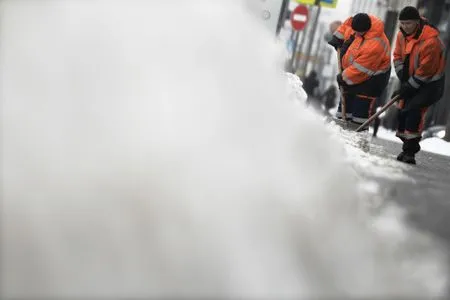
x=307 y=2
x=299 y=17
x=328 y=3
x=323 y=3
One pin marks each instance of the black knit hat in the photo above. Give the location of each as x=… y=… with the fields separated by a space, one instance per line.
x=409 y=13
x=361 y=22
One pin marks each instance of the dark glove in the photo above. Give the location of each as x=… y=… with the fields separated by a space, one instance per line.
x=335 y=42
x=395 y=94
x=405 y=92
x=341 y=82
x=400 y=75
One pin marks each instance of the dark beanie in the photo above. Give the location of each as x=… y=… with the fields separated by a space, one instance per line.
x=409 y=13
x=361 y=22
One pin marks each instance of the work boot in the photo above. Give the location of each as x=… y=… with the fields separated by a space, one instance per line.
x=407 y=158
x=400 y=156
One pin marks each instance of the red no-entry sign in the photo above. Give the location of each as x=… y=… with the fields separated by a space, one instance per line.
x=299 y=17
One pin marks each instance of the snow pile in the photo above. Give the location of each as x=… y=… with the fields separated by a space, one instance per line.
x=386 y=134
x=295 y=89
x=144 y=158
x=436 y=145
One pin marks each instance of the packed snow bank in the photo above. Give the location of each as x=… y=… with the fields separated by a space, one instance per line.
x=436 y=145
x=155 y=159
x=296 y=93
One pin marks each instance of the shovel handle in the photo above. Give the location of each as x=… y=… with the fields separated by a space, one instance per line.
x=379 y=112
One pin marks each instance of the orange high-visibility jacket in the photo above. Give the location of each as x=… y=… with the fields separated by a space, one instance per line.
x=426 y=55
x=368 y=55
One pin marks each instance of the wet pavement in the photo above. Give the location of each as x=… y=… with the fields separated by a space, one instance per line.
x=425 y=195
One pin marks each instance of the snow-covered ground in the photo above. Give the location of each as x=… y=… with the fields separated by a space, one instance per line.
x=142 y=158
x=434 y=144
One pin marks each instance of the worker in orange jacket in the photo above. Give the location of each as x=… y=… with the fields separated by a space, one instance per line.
x=365 y=56
x=419 y=60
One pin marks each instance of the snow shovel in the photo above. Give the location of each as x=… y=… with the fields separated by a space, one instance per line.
x=379 y=112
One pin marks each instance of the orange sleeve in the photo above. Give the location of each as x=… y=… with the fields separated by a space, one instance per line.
x=343 y=32
x=398 y=47
x=398 y=57
x=430 y=60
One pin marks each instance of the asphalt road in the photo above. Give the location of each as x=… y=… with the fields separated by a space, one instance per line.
x=426 y=197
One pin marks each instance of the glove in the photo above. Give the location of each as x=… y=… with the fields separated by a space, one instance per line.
x=400 y=75
x=395 y=94
x=335 y=42
x=405 y=92
x=340 y=80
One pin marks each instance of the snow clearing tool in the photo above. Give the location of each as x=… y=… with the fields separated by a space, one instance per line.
x=379 y=112
x=341 y=92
